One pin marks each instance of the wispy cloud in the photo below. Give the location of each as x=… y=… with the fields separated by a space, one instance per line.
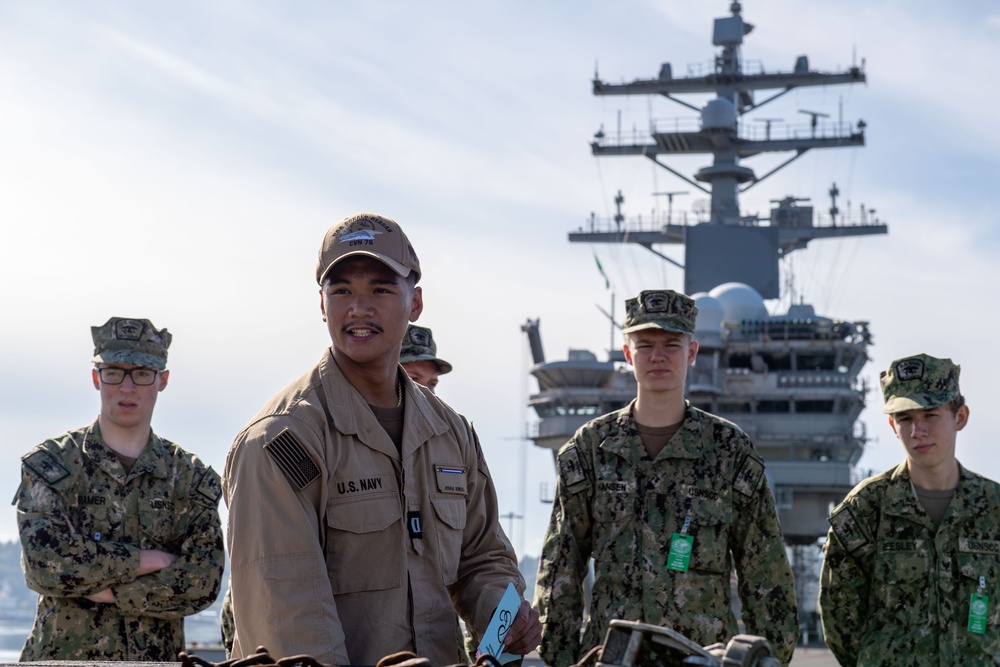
x=188 y=73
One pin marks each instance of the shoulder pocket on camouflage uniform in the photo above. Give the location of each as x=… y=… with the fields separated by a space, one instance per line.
x=208 y=489
x=46 y=466
x=748 y=478
x=571 y=470
x=45 y=480
x=849 y=532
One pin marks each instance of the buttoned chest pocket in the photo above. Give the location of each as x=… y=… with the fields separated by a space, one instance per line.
x=903 y=578
x=98 y=517
x=973 y=569
x=710 y=526
x=364 y=543
x=450 y=515
x=159 y=519
x=614 y=529
x=706 y=583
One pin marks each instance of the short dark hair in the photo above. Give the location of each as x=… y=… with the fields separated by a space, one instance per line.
x=956 y=403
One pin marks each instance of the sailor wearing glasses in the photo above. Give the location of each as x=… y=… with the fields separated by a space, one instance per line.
x=120 y=530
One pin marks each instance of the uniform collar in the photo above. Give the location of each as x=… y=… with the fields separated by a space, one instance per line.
x=352 y=416
x=970 y=500
x=685 y=444
x=899 y=496
x=153 y=459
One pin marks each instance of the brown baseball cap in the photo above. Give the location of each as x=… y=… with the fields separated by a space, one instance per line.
x=367 y=234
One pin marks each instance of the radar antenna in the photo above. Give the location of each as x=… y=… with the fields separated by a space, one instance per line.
x=767 y=127
x=670 y=201
x=813 y=115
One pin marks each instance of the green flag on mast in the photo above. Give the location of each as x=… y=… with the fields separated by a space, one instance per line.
x=607 y=283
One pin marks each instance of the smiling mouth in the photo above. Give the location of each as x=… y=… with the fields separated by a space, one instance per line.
x=362 y=331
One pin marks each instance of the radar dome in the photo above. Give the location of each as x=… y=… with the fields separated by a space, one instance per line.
x=739 y=302
x=710 y=313
x=718 y=114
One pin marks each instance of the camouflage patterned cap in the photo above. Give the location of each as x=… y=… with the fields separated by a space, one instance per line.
x=920 y=382
x=418 y=345
x=367 y=234
x=125 y=340
x=660 y=309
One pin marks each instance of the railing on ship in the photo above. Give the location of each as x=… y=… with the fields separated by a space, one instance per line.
x=657 y=221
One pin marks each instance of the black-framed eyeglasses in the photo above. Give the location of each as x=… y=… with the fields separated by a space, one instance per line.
x=141 y=377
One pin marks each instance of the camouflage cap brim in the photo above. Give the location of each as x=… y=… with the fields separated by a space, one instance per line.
x=918 y=402
x=133 y=357
x=665 y=326
x=442 y=365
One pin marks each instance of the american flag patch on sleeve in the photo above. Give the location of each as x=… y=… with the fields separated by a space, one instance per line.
x=288 y=454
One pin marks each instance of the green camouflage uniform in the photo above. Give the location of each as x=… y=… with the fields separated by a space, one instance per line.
x=621 y=508
x=83 y=521
x=894 y=592
x=895 y=589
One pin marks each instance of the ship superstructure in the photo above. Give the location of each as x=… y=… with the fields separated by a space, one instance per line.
x=791 y=380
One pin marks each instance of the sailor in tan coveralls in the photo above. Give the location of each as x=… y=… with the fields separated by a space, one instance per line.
x=362 y=515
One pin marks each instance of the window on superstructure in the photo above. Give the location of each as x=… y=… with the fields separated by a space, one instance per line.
x=816 y=362
x=778 y=362
x=814 y=406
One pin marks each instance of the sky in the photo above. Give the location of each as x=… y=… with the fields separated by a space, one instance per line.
x=181 y=162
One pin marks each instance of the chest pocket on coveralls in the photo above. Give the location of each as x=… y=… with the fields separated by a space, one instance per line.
x=363 y=541
x=450 y=512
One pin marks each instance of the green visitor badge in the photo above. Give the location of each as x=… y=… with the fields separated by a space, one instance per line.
x=978 y=609
x=680 y=552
